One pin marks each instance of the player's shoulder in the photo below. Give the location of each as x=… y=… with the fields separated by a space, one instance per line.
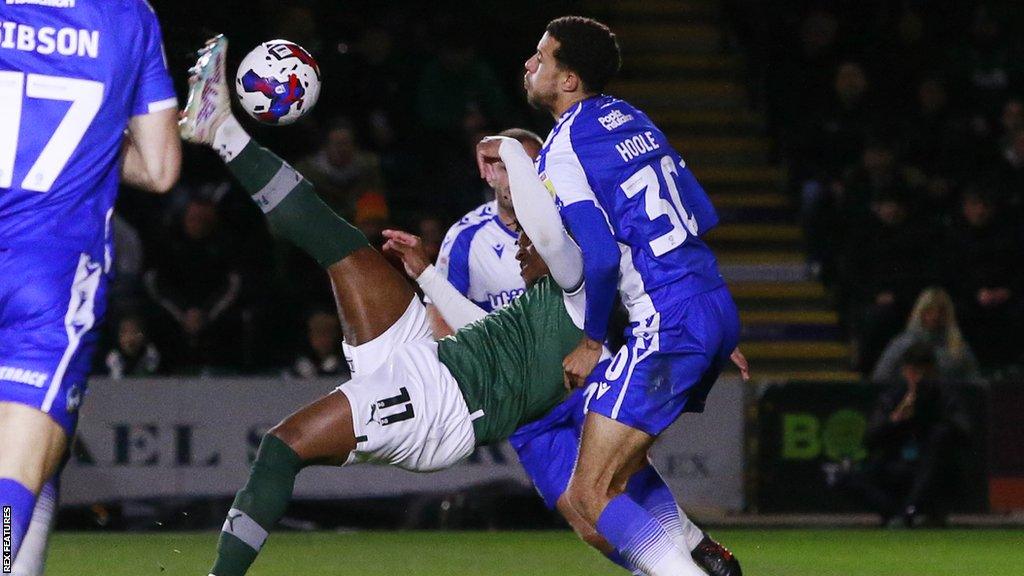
x=604 y=115
x=462 y=232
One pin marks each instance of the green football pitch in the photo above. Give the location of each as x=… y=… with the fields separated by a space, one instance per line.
x=763 y=552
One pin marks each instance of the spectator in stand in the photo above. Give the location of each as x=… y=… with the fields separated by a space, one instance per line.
x=458 y=96
x=912 y=437
x=431 y=231
x=802 y=80
x=835 y=136
x=372 y=217
x=889 y=260
x=458 y=82
x=196 y=285
x=938 y=143
x=134 y=354
x=126 y=283
x=986 y=69
x=879 y=174
x=984 y=258
x=932 y=322
x=1012 y=120
x=342 y=171
x=321 y=353
x=848 y=202
x=830 y=142
x=1009 y=174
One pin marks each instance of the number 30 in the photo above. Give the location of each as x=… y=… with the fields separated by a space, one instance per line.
x=86 y=97
x=646 y=179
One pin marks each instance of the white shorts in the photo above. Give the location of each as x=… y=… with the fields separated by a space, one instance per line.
x=413 y=326
x=410 y=412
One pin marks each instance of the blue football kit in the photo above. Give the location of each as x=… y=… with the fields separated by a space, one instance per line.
x=638 y=214
x=72 y=74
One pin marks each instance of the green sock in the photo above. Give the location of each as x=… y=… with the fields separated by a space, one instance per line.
x=291 y=205
x=257 y=507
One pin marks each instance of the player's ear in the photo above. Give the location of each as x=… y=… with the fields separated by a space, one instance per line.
x=571 y=82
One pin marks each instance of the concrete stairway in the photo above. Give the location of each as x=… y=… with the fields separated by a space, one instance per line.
x=676 y=69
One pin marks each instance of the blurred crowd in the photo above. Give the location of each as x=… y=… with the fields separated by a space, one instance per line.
x=201 y=285
x=901 y=124
x=902 y=127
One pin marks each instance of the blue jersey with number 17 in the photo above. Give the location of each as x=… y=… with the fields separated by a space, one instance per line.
x=72 y=74
x=605 y=151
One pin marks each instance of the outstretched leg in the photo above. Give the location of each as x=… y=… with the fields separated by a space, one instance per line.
x=371 y=297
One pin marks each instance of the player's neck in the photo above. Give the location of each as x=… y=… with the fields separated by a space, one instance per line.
x=567 y=100
x=506 y=217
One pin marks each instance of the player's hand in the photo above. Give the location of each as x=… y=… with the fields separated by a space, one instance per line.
x=487 y=155
x=740 y=361
x=409 y=248
x=580 y=363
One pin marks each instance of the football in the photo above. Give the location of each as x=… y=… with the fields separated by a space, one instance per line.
x=278 y=82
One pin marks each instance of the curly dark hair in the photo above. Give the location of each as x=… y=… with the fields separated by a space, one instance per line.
x=588 y=48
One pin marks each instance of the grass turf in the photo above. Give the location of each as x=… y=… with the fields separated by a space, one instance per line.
x=762 y=552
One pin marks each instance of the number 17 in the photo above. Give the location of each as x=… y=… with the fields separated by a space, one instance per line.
x=86 y=97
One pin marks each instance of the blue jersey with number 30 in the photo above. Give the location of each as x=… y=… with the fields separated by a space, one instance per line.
x=605 y=151
x=72 y=73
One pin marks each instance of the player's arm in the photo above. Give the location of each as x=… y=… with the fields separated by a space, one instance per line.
x=152 y=151
x=456 y=310
x=589 y=226
x=537 y=214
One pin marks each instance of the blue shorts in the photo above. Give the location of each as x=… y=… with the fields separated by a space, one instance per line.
x=50 y=302
x=668 y=364
x=547 y=448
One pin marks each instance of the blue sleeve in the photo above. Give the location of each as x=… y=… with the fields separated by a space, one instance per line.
x=154 y=89
x=589 y=227
x=458 y=261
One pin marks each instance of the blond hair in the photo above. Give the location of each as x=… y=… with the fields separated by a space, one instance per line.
x=932 y=297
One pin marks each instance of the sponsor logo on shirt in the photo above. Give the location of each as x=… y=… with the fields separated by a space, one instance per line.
x=614 y=119
x=504 y=298
x=50 y=3
x=22 y=376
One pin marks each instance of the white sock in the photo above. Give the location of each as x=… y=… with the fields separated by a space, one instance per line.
x=691 y=535
x=230 y=139
x=31 y=560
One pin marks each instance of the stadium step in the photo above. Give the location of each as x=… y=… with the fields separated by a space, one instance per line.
x=762 y=207
x=680 y=66
x=780 y=296
x=680 y=72
x=755 y=236
x=722 y=150
x=645 y=37
x=691 y=123
x=725 y=179
x=658 y=95
x=646 y=10
x=839 y=374
x=791 y=325
x=822 y=356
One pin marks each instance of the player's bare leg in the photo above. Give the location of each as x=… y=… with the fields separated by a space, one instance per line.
x=609 y=452
x=33 y=447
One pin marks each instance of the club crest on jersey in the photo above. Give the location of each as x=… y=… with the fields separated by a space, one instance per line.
x=281 y=94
